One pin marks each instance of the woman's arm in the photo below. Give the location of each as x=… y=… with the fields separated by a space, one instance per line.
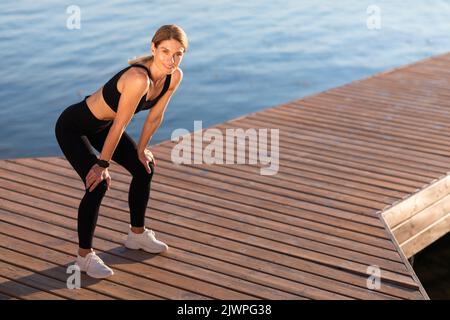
x=134 y=87
x=156 y=114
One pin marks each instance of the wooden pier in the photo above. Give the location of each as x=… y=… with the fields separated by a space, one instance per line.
x=362 y=184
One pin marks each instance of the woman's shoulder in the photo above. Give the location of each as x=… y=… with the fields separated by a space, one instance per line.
x=136 y=73
x=136 y=77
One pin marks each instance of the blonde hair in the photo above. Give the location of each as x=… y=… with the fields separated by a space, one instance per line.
x=165 y=32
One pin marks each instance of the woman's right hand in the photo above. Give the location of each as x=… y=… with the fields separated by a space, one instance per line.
x=95 y=176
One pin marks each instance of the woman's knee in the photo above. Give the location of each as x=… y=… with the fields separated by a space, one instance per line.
x=143 y=174
x=99 y=190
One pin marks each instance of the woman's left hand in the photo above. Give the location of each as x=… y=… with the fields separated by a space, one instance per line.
x=146 y=156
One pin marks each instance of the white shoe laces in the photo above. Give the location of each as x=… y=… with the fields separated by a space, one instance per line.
x=96 y=258
x=148 y=232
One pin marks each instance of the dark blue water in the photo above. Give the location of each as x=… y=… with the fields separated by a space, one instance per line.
x=243 y=56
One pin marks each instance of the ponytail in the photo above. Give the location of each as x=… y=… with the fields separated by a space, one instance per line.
x=140 y=59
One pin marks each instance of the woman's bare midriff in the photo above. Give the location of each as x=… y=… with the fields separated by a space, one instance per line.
x=99 y=107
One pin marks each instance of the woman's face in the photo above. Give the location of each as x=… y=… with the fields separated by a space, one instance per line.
x=168 y=55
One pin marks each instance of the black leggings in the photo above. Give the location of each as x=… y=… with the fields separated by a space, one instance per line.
x=77 y=130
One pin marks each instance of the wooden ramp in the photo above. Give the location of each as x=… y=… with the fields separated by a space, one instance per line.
x=314 y=230
x=422 y=218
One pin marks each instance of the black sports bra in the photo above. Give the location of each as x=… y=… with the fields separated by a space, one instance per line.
x=112 y=95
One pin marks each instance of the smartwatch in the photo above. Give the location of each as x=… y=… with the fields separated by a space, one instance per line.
x=103 y=163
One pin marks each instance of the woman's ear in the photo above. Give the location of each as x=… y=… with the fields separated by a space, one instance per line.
x=153 y=48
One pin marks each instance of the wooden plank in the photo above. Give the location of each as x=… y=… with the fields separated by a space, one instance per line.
x=43 y=283
x=401 y=212
x=6 y=297
x=12 y=290
x=422 y=219
x=427 y=236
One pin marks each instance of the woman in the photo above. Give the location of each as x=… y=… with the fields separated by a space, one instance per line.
x=100 y=121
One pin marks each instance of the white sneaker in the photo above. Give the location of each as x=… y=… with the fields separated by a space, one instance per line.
x=94 y=266
x=145 y=241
